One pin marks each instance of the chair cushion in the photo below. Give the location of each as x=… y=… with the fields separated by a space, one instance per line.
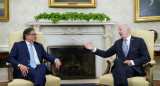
x=106 y=79
x=134 y=81
x=50 y=81
x=20 y=82
x=138 y=81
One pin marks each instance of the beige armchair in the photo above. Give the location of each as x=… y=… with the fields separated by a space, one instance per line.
x=51 y=80
x=147 y=80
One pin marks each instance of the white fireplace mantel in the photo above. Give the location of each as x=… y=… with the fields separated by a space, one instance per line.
x=107 y=33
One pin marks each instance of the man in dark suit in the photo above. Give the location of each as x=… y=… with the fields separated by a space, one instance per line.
x=131 y=54
x=27 y=58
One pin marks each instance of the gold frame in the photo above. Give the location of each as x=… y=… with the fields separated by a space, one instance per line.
x=92 y=4
x=137 y=17
x=6 y=16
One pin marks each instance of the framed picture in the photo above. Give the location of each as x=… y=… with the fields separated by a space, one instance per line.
x=146 y=10
x=72 y=3
x=4 y=10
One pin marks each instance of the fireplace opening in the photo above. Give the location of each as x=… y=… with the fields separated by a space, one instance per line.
x=77 y=62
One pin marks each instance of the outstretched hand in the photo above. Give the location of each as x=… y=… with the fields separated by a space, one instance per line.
x=89 y=46
x=58 y=63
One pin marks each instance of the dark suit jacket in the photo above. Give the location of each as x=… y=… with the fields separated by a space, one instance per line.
x=137 y=52
x=20 y=55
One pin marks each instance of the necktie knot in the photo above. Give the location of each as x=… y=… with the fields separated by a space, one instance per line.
x=125 y=40
x=30 y=44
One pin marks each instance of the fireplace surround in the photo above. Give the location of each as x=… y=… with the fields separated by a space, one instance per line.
x=77 y=62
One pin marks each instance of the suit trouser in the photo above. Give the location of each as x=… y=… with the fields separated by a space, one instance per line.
x=121 y=72
x=37 y=75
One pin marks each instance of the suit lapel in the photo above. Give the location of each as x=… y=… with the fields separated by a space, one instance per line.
x=37 y=50
x=26 y=48
x=131 y=44
x=121 y=47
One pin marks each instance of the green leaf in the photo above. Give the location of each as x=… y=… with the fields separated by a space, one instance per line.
x=55 y=17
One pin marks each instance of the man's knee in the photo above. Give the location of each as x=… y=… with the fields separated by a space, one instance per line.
x=42 y=65
x=30 y=75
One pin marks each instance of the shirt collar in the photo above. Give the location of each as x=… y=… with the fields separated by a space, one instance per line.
x=129 y=38
x=29 y=43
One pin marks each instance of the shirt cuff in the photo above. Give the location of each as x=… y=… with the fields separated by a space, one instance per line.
x=55 y=60
x=94 y=50
x=132 y=62
x=18 y=65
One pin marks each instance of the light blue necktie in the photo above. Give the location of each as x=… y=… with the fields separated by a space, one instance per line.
x=32 y=58
x=125 y=47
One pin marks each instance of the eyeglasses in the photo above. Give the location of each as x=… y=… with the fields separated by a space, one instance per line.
x=33 y=34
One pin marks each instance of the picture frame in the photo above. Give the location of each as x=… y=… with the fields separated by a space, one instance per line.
x=146 y=10
x=4 y=10
x=72 y=3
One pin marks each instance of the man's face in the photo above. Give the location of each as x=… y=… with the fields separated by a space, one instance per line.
x=31 y=38
x=123 y=31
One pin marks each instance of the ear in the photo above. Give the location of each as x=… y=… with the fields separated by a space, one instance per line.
x=26 y=36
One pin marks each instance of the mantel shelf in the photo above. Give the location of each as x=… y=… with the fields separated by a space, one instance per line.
x=71 y=23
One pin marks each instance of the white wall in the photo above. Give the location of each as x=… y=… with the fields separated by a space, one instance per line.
x=23 y=11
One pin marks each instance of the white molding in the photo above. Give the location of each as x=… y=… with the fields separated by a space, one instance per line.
x=45 y=22
x=107 y=33
x=156 y=45
x=4 y=48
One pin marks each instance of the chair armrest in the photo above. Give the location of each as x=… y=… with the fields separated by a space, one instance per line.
x=50 y=67
x=109 y=61
x=148 y=67
x=10 y=71
x=152 y=62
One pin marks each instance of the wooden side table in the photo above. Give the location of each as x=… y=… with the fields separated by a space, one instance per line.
x=156 y=53
x=3 y=83
x=4 y=54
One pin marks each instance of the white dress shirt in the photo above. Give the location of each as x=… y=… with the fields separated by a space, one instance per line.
x=35 y=53
x=127 y=41
x=128 y=44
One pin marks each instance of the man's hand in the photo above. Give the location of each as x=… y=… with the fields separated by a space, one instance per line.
x=24 y=69
x=127 y=62
x=58 y=63
x=89 y=46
